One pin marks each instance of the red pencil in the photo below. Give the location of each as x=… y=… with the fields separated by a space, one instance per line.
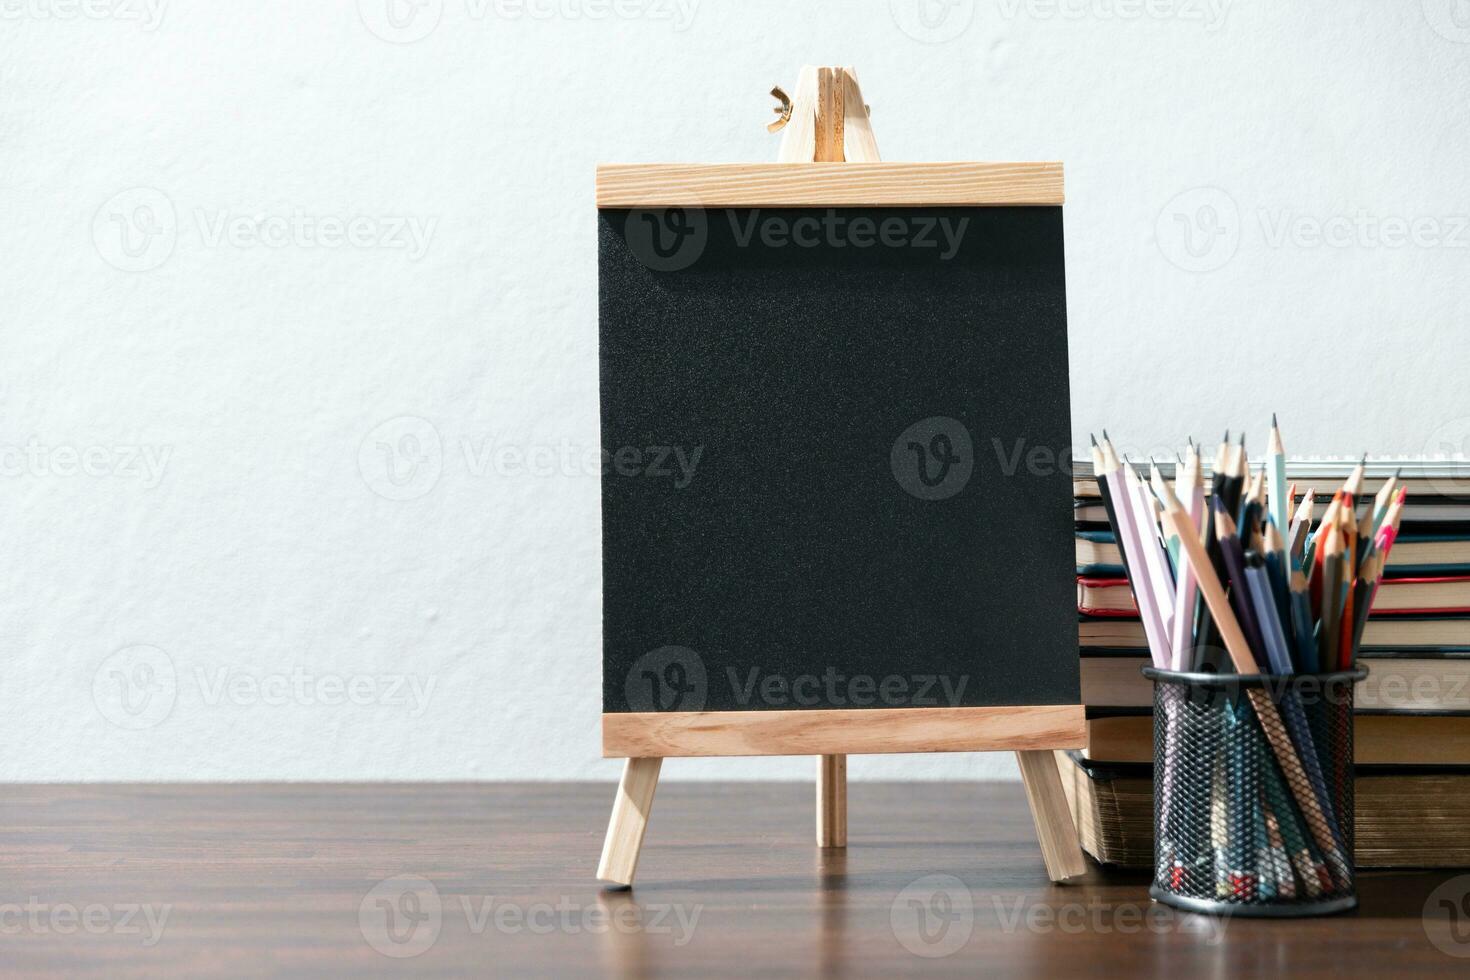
x=1319 y=554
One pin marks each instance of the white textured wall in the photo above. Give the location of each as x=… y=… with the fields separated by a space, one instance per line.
x=193 y=422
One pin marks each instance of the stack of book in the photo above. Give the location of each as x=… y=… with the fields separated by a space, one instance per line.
x=1412 y=743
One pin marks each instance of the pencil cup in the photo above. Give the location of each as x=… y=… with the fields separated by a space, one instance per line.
x=1253 y=792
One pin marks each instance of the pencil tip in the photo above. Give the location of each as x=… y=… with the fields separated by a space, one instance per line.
x=1093 y=438
x=1227 y=436
x=1273 y=421
x=1242 y=439
x=1106 y=437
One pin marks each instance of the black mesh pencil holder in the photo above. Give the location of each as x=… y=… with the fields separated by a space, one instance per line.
x=1253 y=792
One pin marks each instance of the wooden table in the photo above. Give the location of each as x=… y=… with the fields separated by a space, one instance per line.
x=195 y=879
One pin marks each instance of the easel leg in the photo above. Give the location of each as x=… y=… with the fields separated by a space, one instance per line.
x=1054 y=828
x=628 y=821
x=832 y=801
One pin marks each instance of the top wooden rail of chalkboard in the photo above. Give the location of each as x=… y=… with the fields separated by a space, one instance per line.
x=641 y=185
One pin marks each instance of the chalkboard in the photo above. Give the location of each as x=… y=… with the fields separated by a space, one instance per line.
x=835 y=458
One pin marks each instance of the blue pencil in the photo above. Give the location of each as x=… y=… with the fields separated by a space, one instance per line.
x=1278 y=566
x=1301 y=624
x=1261 y=594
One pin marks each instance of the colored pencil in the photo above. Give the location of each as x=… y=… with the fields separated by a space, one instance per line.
x=1365 y=589
x=1318 y=548
x=1354 y=484
x=1351 y=555
x=1303 y=629
x=1131 y=541
x=1146 y=520
x=1278 y=567
x=1281 y=501
x=1207 y=649
x=1299 y=854
x=1220 y=826
x=1239 y=589
x=1382 y=501
x=1301 y=526
x=1330 y=609
x=1240 y=579
x=1272 y=631
x=1190 y=489
x=1316 y=805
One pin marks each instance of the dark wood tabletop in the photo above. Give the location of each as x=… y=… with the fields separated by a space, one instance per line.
x=497 y=879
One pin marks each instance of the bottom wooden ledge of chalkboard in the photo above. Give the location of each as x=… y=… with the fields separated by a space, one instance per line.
x=857 y=731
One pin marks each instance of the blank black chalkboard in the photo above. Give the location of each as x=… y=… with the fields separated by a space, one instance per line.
x=835 y=459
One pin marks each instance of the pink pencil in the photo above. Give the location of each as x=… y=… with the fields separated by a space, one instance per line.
x=1146 y=520
x=1383 y=541
x=1132 y=546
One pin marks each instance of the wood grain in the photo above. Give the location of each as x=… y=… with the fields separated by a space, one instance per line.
x=859 y=143
x=271 y=879
x=831 y=801
x=629 y=821
x=853 y=731
x=1061 y=850
x=830 y=120
x=636 y=185
x=799 y=137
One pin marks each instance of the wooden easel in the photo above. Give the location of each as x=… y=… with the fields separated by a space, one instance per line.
x=827 y=121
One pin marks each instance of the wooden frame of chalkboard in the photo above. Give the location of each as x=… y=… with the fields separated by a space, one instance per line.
x=647 y=334
x=820 y=185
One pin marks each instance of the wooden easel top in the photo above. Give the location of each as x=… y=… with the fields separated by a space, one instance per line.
x=828 y=158
x=636 y=185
